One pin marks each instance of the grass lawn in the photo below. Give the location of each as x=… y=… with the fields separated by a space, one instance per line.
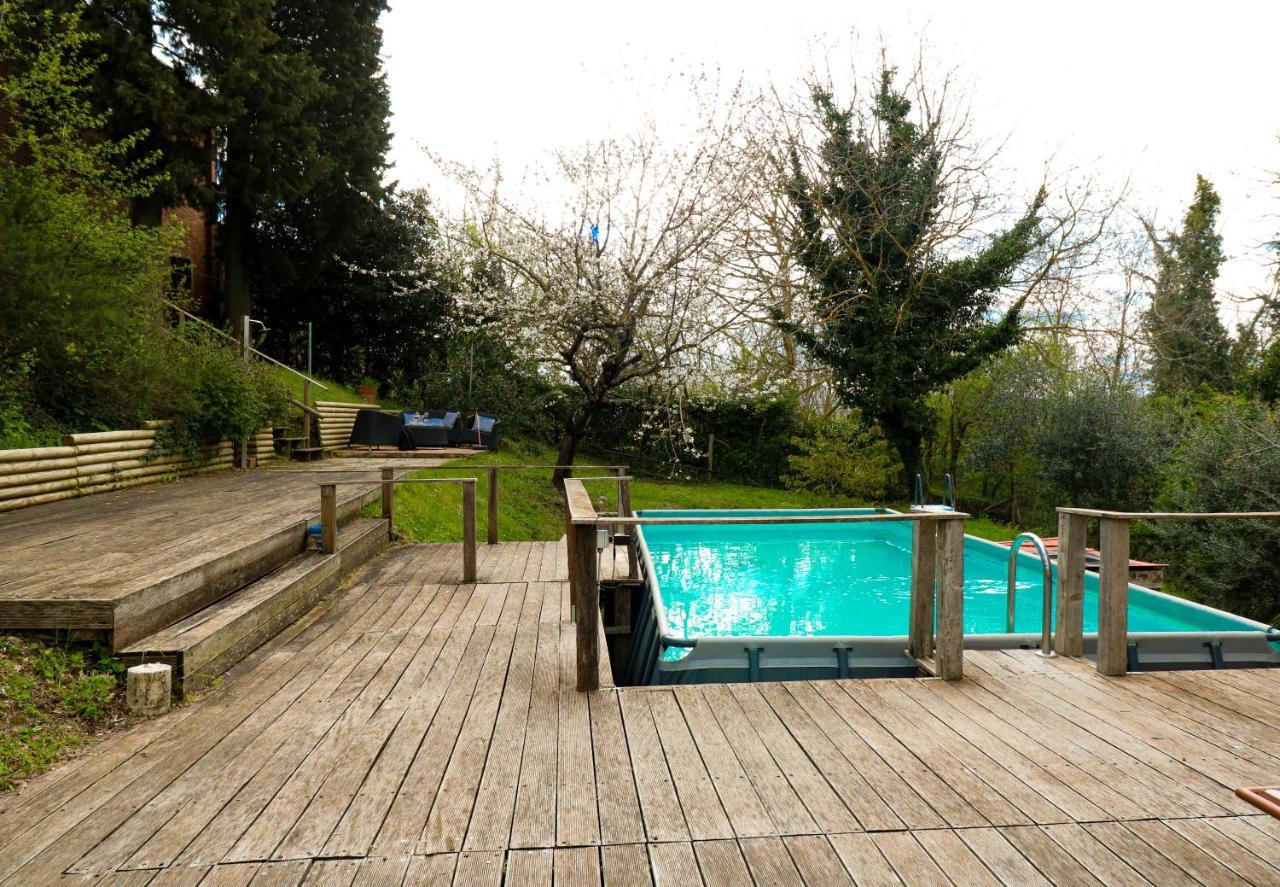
x=530 y=509
x=52 y=700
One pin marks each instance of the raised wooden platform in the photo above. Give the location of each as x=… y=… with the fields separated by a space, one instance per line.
x=133 y=562
x=417 y=731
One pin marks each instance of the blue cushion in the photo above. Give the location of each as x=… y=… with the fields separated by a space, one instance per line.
x=485 y=423
x=450 y=419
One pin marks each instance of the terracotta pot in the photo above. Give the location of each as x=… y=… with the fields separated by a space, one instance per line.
x=368 y=393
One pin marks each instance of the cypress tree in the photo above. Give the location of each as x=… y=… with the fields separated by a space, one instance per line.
x=1189 y=345
x=894 y=319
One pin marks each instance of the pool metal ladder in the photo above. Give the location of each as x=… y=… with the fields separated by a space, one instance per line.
x=1046 y=627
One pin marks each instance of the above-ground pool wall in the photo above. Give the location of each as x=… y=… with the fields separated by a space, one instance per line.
x=733 y=659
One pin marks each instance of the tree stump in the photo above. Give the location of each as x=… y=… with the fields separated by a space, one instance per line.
x=148 y=688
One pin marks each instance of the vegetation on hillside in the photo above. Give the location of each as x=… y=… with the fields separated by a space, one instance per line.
x=52 y=700
x=85 y=342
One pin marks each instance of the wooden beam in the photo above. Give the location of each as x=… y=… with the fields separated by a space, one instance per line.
x=389 y=498
x=1113 y=598
x=328 y=518
x=950 y=637
x=469 y=530
x=1069 y=627
x=624 y=510
x=924 y=568
x=585 y=570
x=493 y=506
x=1173 y=515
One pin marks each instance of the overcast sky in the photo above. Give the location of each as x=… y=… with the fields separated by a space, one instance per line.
x=1149 y=93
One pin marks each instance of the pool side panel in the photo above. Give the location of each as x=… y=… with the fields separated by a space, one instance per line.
x=746 y=658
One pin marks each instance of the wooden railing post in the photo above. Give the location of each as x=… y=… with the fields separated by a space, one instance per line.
x=306 y=417
x=493 y=506
x=328 y=518
x=1113 y=598
x=950 y=639
x=584 y=569
x=469 y=529
x=1070 y=616
x=389 y=497
x=924 y=569
x=631 y=531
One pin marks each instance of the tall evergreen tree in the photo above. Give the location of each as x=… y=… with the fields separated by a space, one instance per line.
x=1189 y=345
x=893 y=317
x=169 y=119
x=310 y=243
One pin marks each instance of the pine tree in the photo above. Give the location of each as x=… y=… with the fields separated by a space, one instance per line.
x=1189 y=345
x=302 y=273
x=169 y=118
x=894 y=319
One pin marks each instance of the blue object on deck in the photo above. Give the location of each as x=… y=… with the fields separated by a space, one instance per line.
x=314 y=532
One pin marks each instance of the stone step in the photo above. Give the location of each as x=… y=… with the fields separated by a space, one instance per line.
x=205 y=644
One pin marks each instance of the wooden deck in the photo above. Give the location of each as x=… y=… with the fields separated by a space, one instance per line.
x=416 y=731
x=103 y=562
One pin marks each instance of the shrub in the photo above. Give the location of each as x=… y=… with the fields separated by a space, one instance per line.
x=844 y=458
x=1227 y=459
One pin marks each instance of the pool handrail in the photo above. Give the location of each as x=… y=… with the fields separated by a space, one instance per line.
x=1046 y=628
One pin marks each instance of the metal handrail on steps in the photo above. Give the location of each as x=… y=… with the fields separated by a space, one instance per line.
x=1046 y=629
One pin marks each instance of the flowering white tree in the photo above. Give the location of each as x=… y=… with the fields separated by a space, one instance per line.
x=613 y=264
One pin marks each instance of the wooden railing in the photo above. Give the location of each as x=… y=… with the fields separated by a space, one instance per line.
x=937 y=574
x=493 y=472
x=1113 y=577
x=329 y=512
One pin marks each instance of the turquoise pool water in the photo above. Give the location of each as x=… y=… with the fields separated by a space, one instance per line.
x=779 y=580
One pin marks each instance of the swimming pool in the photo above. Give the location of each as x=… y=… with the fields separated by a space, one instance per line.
x=788 y=587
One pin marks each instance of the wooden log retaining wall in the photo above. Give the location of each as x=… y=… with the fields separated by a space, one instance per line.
x=336 y=419
x=98 y=462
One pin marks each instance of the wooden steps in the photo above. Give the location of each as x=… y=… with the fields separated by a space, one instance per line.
x=207 y=643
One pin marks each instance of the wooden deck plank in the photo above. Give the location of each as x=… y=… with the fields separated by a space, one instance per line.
x=620 y=819
x=450 y=817
x=534 y=823
x=815 y=859
x=787 y=812
x=626 y=865
x=529 y=868
x=674 y=865
x=822 y=801
x=1239 y=858
x=577 y=867
x=871 y=810
x=490 y=820
x=991 y=804
x=695 y=790
x=769 y=861
x=577 y=813
x=864 y=861
x=746 y=812
x=1186 y=855
x=664 y=819
x=1138 y=854
x=721 y=863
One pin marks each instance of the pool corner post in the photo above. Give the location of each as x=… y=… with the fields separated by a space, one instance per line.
x=1113 y=597
x=950 y=640
x=1070 y=617
x=584 y=571
x=924 y=570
